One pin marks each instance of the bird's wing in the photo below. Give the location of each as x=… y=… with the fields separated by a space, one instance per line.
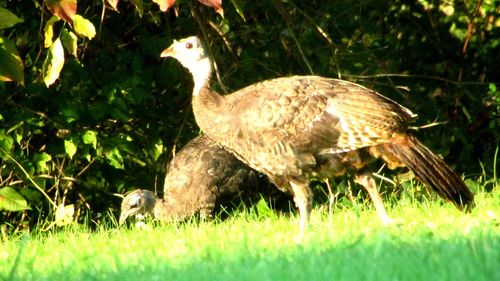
x=293 y=119
x=366 y=118
x=202 y=166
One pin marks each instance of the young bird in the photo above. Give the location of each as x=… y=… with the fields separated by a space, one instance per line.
x=200 y=177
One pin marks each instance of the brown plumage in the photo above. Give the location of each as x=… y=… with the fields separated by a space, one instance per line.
x=296 y=127
x=200 y=177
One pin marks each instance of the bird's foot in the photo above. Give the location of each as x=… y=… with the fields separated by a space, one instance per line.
x=140 y=224
x=391 y=221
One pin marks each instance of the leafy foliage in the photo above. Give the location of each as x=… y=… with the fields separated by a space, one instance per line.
x=12 y=66
x=8 y=18
x=90 y=111
x=11 y=200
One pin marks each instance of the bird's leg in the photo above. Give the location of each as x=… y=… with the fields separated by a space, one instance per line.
x=206 y=213
x=331 y=197
x=302 y=196
x=365 y=178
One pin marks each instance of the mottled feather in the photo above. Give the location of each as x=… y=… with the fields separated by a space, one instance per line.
x=200 y=177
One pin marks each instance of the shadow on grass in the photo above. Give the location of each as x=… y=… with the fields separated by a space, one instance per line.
x=383 y=258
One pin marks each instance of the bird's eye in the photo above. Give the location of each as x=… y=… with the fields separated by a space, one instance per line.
x=189 y=45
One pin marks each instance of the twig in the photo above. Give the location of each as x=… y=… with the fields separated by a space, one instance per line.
x=102 y=19
x=209 y=50
x=85 y=168
x=471 y=26
x=280 y=10
x=385 y=75
x=29 y=177
x=331 y=198
x=384 y=178
x=433 y=124
x=326 y=37
x=221 y=34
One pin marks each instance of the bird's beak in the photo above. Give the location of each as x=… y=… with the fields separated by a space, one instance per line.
x=168 y=52
x=124 y=216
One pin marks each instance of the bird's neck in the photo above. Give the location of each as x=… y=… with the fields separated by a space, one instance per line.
x=208 y=106
x=201 y=75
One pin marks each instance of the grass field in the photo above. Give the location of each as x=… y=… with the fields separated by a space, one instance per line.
x=432 y=241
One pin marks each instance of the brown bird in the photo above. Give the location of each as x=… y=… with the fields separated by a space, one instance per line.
x=200 y=177
x=294 y=128
x=140 y=202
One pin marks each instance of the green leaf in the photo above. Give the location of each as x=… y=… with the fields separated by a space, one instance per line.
x=158 y=150
x=18 y=137
x=458 y=31
x=115 y=158
x=138 y=7
x=6 y=144
x=31 y=194
x=41 y=157
x=90 y=137
x=53 y=63
x=70 y=148
x=69 y=41
x=447 y=8
x=11 y=65
x=473 y=185
x=48 y=31
x=40 y=181
x=87 y=156
x=492 y=87
x=238 y=6
x=40 y=160
x=118 y=114
x=263 y=209
x=83 y=27
x=12 y=201
x=8 y=18
x=71 y=113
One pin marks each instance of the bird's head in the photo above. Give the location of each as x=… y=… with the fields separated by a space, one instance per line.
x=137 y=202
x=188 y=51
x=191 y=53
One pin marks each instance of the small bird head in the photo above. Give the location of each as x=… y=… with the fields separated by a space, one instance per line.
x=137 y=202
x=188 y=51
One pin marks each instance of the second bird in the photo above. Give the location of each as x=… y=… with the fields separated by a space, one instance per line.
x=200 y=178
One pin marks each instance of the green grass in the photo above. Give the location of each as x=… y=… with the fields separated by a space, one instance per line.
x=433 y=241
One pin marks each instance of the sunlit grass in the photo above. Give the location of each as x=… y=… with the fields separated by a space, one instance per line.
x=431 y=241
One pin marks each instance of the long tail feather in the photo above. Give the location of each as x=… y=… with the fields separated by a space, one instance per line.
x=431 y=170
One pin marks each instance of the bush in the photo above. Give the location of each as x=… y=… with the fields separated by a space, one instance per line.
x=112 y=117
